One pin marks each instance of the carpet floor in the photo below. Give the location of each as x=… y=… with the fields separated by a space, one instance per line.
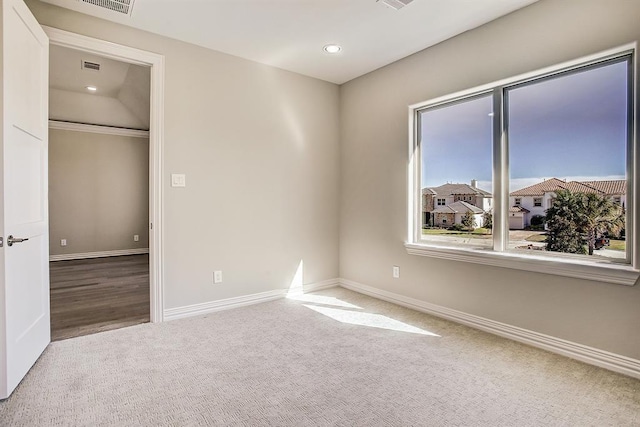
x=331 y=358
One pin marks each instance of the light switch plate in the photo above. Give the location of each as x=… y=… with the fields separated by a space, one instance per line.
x=178 y=180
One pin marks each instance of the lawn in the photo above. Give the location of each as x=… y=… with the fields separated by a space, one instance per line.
x=483 y=233
x=536 y=238
x=617 y=245
x=478 y=232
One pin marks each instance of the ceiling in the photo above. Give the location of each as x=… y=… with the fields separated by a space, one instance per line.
x=290 y=34
x=65 y=72
x=121 y=98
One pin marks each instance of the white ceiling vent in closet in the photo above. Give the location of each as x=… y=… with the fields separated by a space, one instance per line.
x=99 y=8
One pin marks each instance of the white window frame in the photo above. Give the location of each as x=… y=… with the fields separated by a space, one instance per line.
x=624 y=274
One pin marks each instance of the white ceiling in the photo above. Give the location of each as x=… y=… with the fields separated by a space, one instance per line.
x=65 y=72
x=122 y=98
x=290 y=34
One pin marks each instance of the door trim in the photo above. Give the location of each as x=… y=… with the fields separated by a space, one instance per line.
x=156 y=138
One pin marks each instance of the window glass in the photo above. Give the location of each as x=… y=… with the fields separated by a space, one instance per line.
x=567 y=139
x=455 y=142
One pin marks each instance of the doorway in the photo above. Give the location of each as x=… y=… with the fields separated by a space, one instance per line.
x=154 y=63
x=98 y=193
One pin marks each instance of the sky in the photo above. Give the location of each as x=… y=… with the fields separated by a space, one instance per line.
x=570 y=127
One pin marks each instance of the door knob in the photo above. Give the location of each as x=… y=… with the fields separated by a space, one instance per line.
x=11 y=240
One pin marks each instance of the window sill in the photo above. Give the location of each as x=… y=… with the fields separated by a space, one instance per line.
x=588 y=270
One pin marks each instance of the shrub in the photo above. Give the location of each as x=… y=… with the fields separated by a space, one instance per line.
x=537 y=220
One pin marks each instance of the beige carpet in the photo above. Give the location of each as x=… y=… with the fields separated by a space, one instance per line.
x=333 y=358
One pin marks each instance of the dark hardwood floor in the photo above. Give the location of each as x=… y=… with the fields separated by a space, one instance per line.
x=99 y=294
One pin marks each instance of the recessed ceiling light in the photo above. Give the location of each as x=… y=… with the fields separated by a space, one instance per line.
x=332 y=48
x=92 y=88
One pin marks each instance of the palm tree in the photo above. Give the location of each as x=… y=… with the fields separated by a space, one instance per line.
x=576 y=219
x=562 y=219
x=598 y=216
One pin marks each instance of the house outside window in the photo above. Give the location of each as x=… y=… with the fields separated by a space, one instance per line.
x=545 y=119
x=441 y=202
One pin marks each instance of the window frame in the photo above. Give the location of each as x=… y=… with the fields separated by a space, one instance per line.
x=625 y=274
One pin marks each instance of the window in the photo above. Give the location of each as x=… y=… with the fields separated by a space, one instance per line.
x=456 y=141
x=559 y=144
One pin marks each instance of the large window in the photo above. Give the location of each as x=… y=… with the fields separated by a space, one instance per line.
x=535 y=168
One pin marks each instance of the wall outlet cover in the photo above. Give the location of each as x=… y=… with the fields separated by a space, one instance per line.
x=178 y=180
x=217 y=276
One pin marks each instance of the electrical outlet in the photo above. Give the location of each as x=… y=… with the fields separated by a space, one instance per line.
x=178 y=180
x=136 y=237
x=63 y=242
x=217 y=276
x=396 y=272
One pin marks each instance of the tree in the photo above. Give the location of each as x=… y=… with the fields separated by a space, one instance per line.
x=468 y=220
x=576 y=220
x=487 y=220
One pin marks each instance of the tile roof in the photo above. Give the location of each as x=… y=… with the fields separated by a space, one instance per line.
x=554 y=184
x=518 y=209
x=458 y=207
x=617 y=186
x=451 y=189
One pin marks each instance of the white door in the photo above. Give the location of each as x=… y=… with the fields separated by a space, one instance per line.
x=24 y=266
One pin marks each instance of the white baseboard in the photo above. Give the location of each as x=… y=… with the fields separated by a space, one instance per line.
x=325 y=284
x=102 y=254
x=226 y=304
x=583 y=353
x=223 y=304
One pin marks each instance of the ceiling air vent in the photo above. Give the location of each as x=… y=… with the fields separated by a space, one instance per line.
x=395 y=4
x=120 y=6
x=88 y=65
x=108 y=9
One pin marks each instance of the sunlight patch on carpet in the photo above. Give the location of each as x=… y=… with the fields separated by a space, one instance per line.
x=368 y=319
x=321 y=299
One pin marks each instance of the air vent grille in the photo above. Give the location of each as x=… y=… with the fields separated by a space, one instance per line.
x=395 y=4
x=120 y=6
x=88 y=65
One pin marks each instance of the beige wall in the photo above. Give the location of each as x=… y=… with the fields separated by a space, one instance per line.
x=98 y=192
x=259 y=148
x=374 y=174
